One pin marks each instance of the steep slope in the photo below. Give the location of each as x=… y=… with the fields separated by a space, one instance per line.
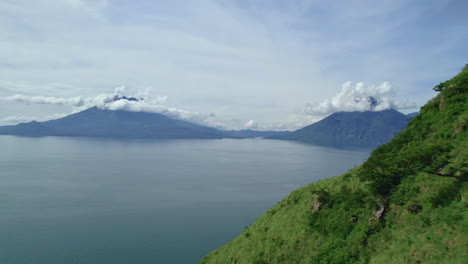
x=351 y=128
x=405 y=204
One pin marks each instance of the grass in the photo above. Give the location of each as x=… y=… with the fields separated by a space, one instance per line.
x=419 y=178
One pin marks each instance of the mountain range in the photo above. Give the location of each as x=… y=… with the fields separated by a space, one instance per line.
x=95 y=122
x=339 y=129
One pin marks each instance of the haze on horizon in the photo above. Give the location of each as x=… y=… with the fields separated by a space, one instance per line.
x=230 y=64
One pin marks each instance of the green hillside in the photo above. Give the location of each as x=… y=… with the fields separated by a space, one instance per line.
x=405 y=204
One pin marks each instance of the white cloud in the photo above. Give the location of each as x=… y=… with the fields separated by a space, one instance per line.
x=145 y=103
x=293 y=122
x=251 y=124
x=351 y=97
x=18 y=98
x=359 y=97
x=15 y=119
x=218 y=55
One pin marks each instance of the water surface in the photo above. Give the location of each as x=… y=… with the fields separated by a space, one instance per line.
x=79 y=200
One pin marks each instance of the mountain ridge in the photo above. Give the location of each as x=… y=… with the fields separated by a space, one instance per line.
x=95 y=122
x=370 y=128
x=405 y=204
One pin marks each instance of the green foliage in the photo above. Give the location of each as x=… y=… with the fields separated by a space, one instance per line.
x=432 y=143
x=418 y=181
x=439 y=87
x=446 y=194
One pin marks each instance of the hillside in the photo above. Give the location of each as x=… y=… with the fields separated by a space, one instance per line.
x=351 y=128
x=405 y=204
x=95 y=122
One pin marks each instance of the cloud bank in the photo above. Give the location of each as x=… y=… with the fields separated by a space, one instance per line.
x=114 y=101
x=352 y=97
x=245 y=60
x=15 y=119
x=359 y=97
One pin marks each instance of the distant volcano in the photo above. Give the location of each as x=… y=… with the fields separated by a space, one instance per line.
x=351 y=128
x=95 y=122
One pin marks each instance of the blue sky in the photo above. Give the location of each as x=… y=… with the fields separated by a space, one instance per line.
x=234 y=64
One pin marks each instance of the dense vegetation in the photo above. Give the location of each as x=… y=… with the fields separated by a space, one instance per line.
x=405 y=204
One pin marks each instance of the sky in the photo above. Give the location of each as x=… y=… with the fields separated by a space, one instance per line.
x=232 y=64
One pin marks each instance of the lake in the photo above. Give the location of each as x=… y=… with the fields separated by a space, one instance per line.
x=80 y=200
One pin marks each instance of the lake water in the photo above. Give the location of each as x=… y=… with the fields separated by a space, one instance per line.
x=78 y=200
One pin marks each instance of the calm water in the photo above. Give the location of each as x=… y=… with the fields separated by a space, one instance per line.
x=77 y=200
